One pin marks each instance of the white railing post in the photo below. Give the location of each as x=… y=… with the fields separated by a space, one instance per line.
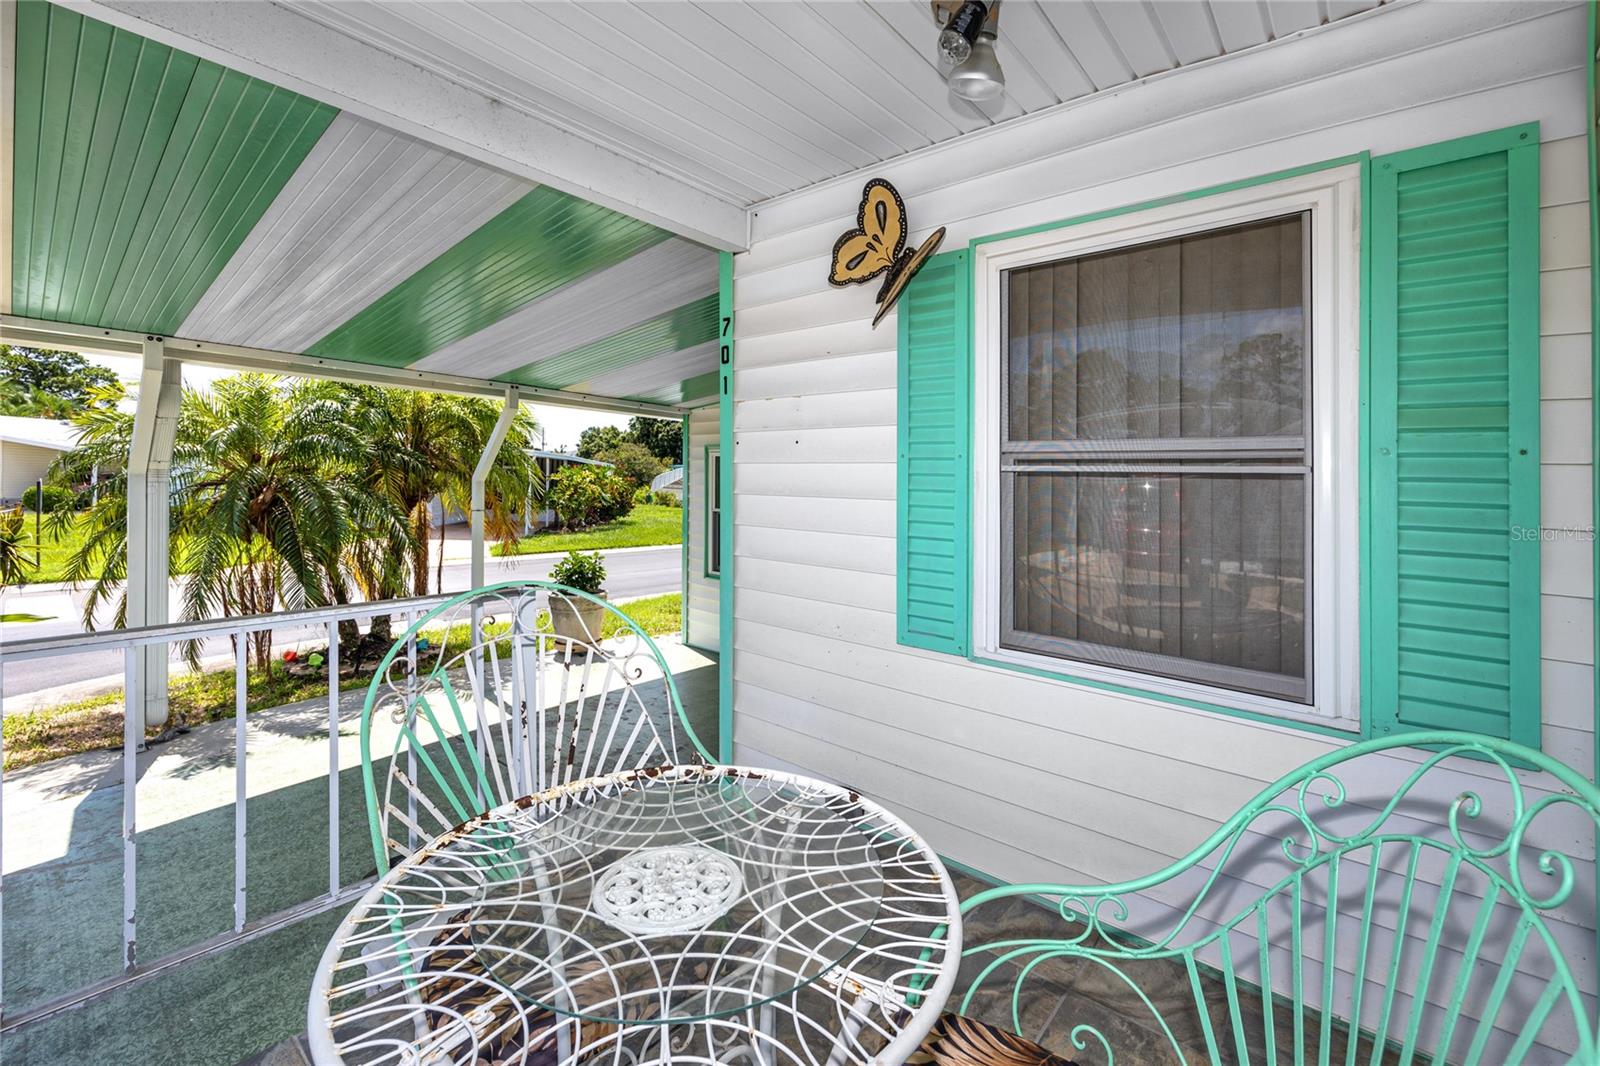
x=155 y=424
x=132 y=737
x=2 y=829
x=131 y=642
x=480 y=480
x=333 y=759
x=241 y=813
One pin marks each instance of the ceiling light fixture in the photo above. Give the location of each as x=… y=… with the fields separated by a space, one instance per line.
x=967 y=40
x=980 y=77
x=961 y=31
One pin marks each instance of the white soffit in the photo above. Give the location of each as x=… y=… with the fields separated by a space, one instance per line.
x=365 y=211
x=757 y=98
x=641 y=287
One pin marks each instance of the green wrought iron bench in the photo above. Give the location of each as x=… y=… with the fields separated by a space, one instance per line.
x=1463 y=931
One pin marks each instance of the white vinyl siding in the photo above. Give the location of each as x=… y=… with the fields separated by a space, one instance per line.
x=1031 y=779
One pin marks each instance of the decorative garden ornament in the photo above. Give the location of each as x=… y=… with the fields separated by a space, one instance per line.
x=877 y=246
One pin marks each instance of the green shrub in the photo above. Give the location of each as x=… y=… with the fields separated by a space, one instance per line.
x=585 y=496
x=586 y=573
x=667 y=499
x=643 y=496
x=56 y=498
x=634 y=462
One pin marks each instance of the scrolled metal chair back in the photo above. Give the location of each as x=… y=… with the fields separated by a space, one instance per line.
x=1407 y=908
x=479 y=704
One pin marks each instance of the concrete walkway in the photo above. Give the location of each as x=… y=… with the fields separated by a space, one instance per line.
x=63 y=882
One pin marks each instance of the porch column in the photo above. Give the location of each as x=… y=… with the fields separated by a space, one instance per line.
x=155 y=423
x=480 y=478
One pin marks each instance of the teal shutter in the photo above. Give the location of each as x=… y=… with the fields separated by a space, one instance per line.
x=1453 y=484
x=933 y=574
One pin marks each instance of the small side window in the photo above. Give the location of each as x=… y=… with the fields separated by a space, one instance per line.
x=713 y=513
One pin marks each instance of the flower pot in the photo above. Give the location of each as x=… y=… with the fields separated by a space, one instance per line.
x=576 y=619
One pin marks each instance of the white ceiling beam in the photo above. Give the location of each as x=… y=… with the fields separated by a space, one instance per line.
x=38 y=333
x=285 y=48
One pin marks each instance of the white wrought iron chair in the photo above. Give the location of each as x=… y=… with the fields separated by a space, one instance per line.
x=477 y=705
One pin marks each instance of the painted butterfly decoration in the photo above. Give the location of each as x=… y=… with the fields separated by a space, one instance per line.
x=878 y=245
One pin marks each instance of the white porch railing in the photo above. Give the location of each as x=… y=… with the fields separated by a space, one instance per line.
x=128 y=641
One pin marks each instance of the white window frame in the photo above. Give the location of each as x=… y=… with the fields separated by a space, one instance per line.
x=713 y=513
x=1332 y=197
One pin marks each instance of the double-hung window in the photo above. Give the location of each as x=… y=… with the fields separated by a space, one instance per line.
x=1165 y=404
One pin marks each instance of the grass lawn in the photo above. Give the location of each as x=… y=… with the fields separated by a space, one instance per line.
x=647 y=524
x=95 y=723
x=53 y=558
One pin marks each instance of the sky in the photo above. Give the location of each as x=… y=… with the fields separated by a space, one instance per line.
x=561 y=425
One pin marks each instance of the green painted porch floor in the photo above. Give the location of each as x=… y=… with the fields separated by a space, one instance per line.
x=63 y=888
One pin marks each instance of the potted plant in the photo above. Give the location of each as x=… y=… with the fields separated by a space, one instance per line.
x=574 y=617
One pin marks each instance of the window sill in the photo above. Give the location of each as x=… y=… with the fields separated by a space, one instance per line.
x=1307 y=721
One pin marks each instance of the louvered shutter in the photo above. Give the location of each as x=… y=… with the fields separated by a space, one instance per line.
x=933 y=576
x=1454 y=449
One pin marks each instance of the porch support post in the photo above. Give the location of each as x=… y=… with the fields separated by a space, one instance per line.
x=480 y=479
x=155 y=424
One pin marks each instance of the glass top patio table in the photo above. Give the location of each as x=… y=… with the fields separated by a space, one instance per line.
x=654 y=898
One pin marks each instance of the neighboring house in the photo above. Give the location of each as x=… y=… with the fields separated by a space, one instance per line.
x=669 y=481
x=27 y=448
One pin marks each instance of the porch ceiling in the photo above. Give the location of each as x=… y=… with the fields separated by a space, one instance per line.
x=753 y=99
x=161 y=193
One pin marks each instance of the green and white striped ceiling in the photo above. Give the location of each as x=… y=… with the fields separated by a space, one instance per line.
x=158 y=192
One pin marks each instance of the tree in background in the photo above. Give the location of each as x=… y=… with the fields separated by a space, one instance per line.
x=596 y=439
x=424 y=445
x=43 y=383
x=294 y=493
x=265 y=488
x=663 y=436
x=634 y=463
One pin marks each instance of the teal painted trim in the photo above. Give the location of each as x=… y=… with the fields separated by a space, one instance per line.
x=714 y=575
x=1164 y=697
x=1407 y=283
x=933 y=466
x=726 y=443
x=1361 y=159
x=683 y=505
x=1593 y=106
x=1364 y=454
x=1176 y=198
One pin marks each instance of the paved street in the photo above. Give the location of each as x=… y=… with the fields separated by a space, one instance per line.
x=631 y=573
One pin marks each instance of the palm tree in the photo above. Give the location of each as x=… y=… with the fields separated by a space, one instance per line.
x=423 y=446
x=266 y=495
x=279 y=500
x=13 y=541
